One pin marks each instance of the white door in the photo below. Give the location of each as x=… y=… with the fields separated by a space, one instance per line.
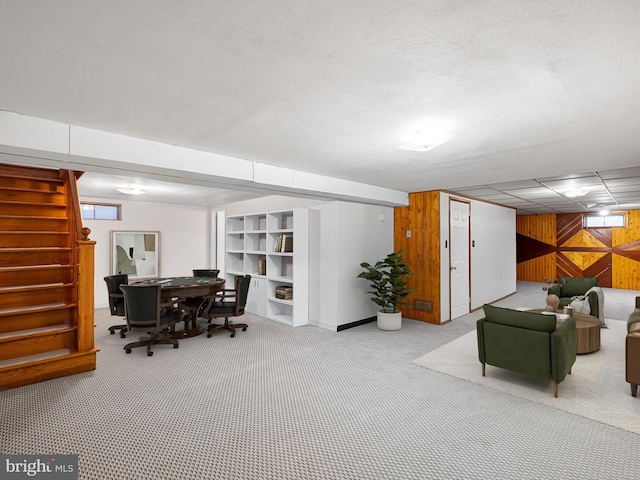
x=459 y=258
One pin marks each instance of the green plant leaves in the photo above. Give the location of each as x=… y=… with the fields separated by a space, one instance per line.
x=387 y=283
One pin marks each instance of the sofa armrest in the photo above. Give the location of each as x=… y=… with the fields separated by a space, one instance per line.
x=593 y=303
x=563 y=349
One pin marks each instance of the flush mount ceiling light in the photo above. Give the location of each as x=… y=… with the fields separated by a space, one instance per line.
x=576 y=192
x=131 y=191
x=427 y=135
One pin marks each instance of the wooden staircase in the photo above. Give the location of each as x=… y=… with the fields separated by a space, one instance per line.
x=46 y=278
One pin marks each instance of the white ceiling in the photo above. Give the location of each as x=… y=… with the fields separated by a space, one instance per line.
x=533 y=89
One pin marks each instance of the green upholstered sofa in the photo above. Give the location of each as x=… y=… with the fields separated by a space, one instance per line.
x=528 y=343
x=569 y=287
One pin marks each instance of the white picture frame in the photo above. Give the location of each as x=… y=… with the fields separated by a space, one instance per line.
x=136 y=253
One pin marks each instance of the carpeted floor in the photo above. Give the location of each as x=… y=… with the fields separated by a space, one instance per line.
x=277 y=402
x=596 y=388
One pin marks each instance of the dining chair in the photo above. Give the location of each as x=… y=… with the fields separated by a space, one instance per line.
x=206 y=273
x=196 y=306
x=226 y=304
x=116 y=301
x=146 y=312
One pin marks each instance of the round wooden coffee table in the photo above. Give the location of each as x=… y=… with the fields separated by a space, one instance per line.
x=587 y=332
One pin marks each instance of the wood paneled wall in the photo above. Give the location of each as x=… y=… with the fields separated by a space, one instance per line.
x=422 y=251
x=553 y=245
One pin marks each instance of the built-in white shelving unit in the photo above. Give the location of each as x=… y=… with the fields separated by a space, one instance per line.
x=272 y=247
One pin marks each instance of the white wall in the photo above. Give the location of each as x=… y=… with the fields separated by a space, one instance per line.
x=184 y=238
x=493 y=258
x=350 y=234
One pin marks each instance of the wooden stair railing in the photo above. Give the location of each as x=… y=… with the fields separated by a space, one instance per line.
x=46 y=278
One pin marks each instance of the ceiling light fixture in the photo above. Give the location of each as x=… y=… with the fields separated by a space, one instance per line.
x=604 y=212
x=576 y=192
x=427 y=135
x=130 y=191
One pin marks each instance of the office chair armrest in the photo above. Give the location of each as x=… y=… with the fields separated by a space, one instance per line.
x=116 y=295
x=226 y=293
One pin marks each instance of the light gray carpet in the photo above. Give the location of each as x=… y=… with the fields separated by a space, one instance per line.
x=596 y=388
x=305 y=403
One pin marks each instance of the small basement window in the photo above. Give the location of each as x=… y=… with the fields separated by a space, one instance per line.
x=101 y=211
x=605 y=221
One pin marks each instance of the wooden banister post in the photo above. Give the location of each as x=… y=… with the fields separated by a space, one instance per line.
x=86 y=271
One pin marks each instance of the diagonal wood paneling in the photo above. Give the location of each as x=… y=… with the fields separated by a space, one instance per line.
x=530 y=248
x=610 y=254
x=567 y=225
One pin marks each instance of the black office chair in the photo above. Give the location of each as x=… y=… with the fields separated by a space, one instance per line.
x=195 y=306
x=116 y=300
x=146 y=312
x=219 y=308
x=206 y=273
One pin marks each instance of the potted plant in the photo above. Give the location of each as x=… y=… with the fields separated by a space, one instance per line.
x=388 y=288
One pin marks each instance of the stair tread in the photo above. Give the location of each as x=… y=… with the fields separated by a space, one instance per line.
x=32 y=232
x=34 y=358
x=34 y=249
x=31 y=331
x=33 y=308
x=39 y=286
x=34 y=267
x=31 y=190
x=32 y=217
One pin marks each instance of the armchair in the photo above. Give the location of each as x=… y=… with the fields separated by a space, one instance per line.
x=568 y=287
x=116 y=300
x=528 y=343
x=146 y=312
x=220 y=306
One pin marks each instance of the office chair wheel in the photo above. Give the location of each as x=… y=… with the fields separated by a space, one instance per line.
x=111 y=332
x=244 y=329
x=122 y=335
x=150 y=354
x=128 y=350
x=208 y=335
x=232 y=335
x=176 y=345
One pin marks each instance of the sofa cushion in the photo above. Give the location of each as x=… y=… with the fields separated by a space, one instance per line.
x=577 y=286
x=515 y=318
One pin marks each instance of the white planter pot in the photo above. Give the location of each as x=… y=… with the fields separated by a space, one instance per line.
x=389 y=321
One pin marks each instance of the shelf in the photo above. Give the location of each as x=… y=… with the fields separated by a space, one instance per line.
x=280 y=279
x=250 y=243
x=280 y=300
